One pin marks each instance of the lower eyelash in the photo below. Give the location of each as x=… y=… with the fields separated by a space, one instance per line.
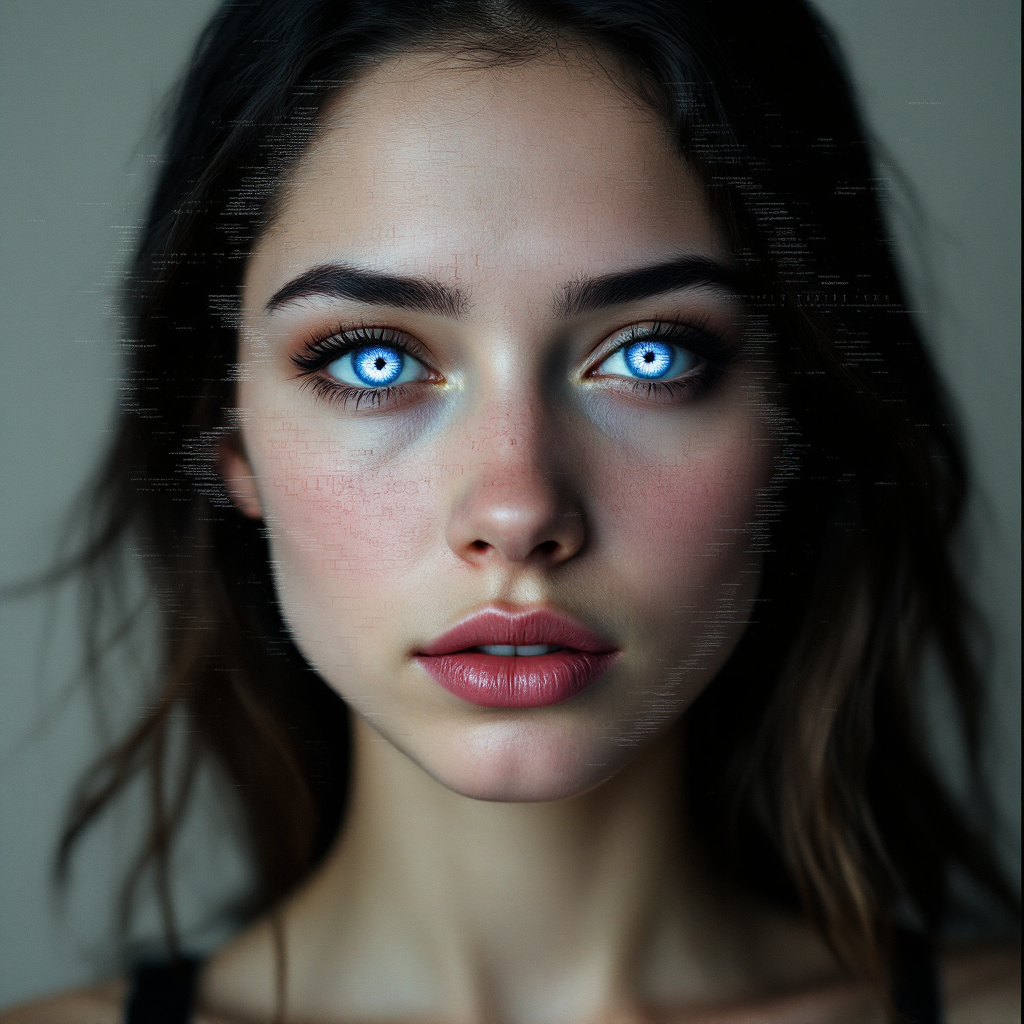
x=693 y=385
x=344 y=394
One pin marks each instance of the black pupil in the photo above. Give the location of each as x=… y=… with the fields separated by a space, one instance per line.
x=648 y=356
x=380 y=362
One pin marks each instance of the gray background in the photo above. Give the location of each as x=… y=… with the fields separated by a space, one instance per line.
x=79 y=83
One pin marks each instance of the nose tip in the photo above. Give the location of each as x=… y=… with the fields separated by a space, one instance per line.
x=517 y=521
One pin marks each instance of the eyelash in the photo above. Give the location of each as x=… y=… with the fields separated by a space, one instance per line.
x=708 y=346
x=319 y=352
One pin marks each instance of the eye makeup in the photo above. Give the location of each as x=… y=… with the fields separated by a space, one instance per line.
x=363 y=366
x=374 y=366
x=663 y=360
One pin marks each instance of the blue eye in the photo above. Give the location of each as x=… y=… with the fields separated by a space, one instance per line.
x=649 y=359
x=376 y=366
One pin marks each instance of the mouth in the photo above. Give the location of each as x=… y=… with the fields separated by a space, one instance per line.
x=502 y=658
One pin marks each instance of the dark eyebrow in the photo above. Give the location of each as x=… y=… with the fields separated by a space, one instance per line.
x=339 y=281
x=596 y=293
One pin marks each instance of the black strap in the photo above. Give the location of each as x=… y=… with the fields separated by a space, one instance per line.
x=915 y=979
x=162 y=993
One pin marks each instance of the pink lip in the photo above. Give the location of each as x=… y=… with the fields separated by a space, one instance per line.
x=492 y=681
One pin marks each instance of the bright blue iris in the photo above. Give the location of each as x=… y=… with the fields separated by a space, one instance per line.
x=649 y=359
x=378 y=365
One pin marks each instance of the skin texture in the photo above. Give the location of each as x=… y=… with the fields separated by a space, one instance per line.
x=515 y=480
x=497 y=864
x=519 y=476
x=981 y=986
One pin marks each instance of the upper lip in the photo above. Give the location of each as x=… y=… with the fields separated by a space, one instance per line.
x=495 y=625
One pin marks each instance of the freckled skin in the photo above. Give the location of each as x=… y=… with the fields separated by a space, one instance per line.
x=517 y=477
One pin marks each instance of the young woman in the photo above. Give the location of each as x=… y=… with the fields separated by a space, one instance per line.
x=550 y=503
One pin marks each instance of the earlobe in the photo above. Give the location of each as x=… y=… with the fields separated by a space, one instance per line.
x=236 y=471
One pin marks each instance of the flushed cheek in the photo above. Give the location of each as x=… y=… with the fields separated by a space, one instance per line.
x=679 y=529
x=344 y=534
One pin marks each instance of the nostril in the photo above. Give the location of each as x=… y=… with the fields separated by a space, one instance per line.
x=526 y=527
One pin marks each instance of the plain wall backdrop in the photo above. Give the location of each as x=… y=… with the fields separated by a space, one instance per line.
x=80 y=81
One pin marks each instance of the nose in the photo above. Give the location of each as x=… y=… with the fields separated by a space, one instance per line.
x=515 y=505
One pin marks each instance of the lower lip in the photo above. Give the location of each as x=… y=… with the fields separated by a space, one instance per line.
x=492 y=681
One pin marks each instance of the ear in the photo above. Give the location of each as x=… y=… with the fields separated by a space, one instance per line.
x=234 y=468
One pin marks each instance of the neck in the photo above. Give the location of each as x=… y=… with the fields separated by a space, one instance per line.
x=438 y=906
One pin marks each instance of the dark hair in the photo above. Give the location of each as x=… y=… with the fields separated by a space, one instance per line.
x=806 y=770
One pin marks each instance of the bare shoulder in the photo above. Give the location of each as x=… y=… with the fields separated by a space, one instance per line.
x=102 y=1004
x=982 y=985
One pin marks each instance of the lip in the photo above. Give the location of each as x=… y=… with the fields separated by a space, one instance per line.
x=493 y=681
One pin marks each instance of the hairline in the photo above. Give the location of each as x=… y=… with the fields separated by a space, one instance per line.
x=466 y=49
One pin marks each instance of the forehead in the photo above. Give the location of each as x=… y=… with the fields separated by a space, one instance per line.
x=430 y=167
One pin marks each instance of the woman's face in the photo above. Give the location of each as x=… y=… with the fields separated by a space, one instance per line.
x=492 y=376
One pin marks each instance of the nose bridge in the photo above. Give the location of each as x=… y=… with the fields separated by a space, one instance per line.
x=508 y=437
x=515 y=500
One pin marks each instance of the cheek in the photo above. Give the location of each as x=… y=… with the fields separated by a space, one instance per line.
x=678 y=526
x=344 y=528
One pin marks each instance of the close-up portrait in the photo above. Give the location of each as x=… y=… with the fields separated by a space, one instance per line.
x=510 y=512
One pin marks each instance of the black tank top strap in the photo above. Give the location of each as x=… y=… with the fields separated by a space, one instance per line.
x=915 y=979
x=162 y=993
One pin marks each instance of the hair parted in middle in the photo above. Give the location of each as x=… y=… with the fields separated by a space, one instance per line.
x=805 y=769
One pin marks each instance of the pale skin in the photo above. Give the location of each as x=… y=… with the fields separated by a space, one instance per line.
x=512 y=865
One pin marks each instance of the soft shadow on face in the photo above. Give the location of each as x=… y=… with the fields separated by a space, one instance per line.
x=520 y=460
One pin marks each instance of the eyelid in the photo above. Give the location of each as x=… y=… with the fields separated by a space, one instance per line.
x=321 y=349
x=693 y=336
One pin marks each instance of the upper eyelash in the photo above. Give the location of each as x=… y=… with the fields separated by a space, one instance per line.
x=694 y=336
x=320 y=351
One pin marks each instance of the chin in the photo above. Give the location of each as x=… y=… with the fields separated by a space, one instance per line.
x=519 y=761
